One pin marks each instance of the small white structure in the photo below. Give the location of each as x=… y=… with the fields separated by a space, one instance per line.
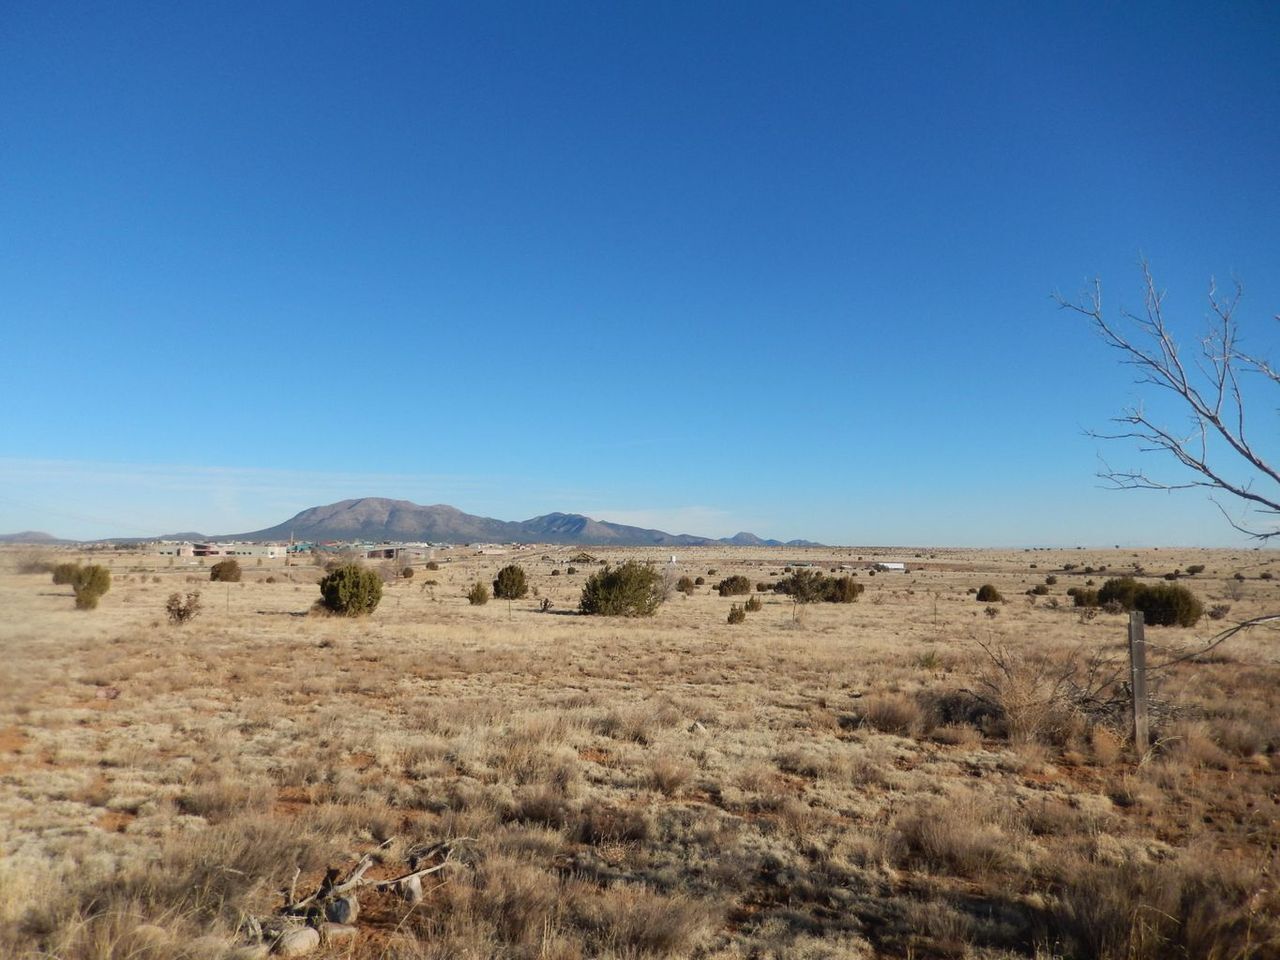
x=890 y=567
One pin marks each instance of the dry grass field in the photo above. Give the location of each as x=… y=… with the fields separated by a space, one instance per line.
x=916 y=774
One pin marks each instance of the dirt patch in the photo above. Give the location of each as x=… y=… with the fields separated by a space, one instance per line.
x=114 y=821
x=12 y=740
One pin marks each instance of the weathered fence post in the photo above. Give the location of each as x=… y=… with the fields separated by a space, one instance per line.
x=1138 y=674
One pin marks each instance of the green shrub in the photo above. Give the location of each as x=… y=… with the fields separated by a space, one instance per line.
x=632 y=589
x=225 y=571
x=1039 y=590
x=571 y=570
x=754 y=604
x=432 y=565
x=1050 y=580
x=841 y=590
x=686 y=586
x=351 y=590
x=737 y=614
x=407 y=573
x=1162 y=604
x=511 y=583
x=987 y=593
x=1123 y=590
x=555 y=572
x=478 y=595
x=734 y=586
x=1168 y=605
x=65 y=573
x=699 y=581
x=1194 y=568
x=89 y=584
x=802 y=586
x=1084 y=597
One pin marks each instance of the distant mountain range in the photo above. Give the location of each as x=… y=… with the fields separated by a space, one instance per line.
x=377 y=519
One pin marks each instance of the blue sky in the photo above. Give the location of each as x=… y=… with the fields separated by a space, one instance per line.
x=707 y=267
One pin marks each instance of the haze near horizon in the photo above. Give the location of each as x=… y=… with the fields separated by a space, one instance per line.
x=690 y=267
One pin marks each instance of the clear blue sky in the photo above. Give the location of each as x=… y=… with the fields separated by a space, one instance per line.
x=702 y=266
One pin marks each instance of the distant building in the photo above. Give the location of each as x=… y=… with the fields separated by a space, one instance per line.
x=404 y=552
x=270 y=551
x=890 y=567
x=173 y=548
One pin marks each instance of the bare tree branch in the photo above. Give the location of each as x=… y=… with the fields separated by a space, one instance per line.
x=1217 y=448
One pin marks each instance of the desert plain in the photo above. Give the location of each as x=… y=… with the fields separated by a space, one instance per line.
x=915 y=774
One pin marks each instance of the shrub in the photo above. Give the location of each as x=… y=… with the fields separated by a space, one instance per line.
x=351 y=590
x=891 y=713
x=1123 y=590
x=89 y=584
x=737 y=614
x=987 y=593
x=1162 y=604
x=1219 y=610
x=1168 y=605
x=35 y=563
x=1084 y=597
x=1050 y=580
x=685 y=585
x=478 y=595
x=754 y=604
x=225 y=571
x=734 y=586
x=511 y=583
x=699 y=581
x=407 y=573
x=1266 y=575
x=763 y=587
x=841 y=590
x=632 y=589
x=65 y=573
x=1194 y=568
x=432 y=565
x=180 y=609
x=802 y=586
x=571 y=570
x=1039 y=590
x=555 y=572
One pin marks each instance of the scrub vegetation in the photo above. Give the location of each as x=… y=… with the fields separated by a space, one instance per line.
x=902 y=776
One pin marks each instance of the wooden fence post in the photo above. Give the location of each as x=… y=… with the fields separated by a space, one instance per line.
x=1138 y=674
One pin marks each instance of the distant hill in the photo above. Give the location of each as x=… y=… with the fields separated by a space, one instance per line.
x=30 y=536
x=376 y=519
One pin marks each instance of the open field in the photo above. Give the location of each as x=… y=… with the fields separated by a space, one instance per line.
x=910 y=775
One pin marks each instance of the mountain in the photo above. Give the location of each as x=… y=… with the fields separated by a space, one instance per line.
x=29 y=536
x=376 y=519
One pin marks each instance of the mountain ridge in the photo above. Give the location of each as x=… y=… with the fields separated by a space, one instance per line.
x=379 y=518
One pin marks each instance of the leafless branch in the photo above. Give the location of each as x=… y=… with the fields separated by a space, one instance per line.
x=1209 y=388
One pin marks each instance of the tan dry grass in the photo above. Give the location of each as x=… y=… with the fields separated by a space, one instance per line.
x=672 y=787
